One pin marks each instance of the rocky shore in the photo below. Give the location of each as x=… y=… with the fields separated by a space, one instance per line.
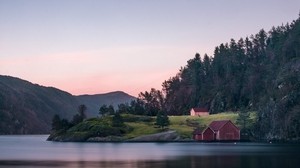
x=168 y=136
x=159 y=137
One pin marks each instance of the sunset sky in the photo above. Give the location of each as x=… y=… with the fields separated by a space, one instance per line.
x=98 y=46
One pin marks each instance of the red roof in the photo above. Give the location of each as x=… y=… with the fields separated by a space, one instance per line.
x=200 y=109
x=217 y=125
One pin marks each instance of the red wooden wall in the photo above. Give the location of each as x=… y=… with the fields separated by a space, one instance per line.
x=228 y=132
x=198 y=137
x=208 y=135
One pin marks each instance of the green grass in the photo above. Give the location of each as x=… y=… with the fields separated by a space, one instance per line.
x=144 y=125
x=184 y=125
x=140 y=129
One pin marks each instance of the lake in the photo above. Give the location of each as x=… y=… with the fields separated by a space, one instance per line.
x=35 y=151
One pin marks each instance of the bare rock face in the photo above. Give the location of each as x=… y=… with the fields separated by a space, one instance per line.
x=159 y=137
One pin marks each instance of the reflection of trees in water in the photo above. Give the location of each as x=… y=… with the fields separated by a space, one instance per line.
x=245 y=161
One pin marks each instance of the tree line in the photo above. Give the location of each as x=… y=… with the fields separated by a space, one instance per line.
x=63 y=124
x=259 y=73
x=137 y=107
x=58 y=124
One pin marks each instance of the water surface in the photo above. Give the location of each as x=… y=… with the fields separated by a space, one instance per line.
x=35 y=151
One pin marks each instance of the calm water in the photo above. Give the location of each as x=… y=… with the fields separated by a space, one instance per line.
x=35 y=151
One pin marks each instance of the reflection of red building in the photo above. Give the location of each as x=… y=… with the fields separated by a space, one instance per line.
x=218 y=131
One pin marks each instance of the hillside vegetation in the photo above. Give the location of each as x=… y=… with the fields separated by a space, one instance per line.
x=184 y=125
x=94 y=102
x=102 y=129
x=256 y=73
x=27 y=108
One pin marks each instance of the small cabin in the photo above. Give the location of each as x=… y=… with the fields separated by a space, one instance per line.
x=208 y=134
x=199 y=112
x=221 y=130
x=197 y=135
x=225 y=130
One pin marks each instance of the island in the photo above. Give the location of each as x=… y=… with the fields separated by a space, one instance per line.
x=134 y=128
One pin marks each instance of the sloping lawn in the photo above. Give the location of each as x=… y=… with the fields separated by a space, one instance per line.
x=184 y=125
x=141 y=128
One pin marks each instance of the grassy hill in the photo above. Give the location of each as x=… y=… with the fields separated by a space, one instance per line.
x=135 y=126
x=184 y=125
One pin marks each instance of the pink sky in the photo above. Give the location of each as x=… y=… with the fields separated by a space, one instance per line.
x=100 y=71
x=91 y=46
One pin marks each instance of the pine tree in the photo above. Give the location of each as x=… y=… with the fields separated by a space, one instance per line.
x=117 y=120
x=103 y=110
x=56 y=123
x=244 y=119
x=162 y=119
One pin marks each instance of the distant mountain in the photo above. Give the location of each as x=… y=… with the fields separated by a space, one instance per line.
x=94 y=102
x=27 y=108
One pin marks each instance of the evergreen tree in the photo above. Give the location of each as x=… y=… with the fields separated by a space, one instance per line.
x=56 y=123
x=60 y=124
x=117 y=120
x=162 y=119
x=78 y=118
x=137 y=107
x=81 y=110
x=123 y=108
x=103 y=110
x=244 y=119
x=153 y=101
x=111 y=110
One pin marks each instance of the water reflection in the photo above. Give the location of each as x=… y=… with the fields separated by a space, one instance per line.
x=180 y=162
x=34 y=151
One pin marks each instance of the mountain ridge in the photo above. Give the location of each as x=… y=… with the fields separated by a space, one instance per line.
x=93 y=104
x=28 y=108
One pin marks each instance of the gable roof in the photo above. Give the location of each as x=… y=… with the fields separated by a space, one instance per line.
x=197 y=132
x=207 y=129
x=198 y=109
x=217 y=125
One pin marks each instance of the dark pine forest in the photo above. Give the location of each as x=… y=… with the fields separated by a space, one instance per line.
x=259 y=73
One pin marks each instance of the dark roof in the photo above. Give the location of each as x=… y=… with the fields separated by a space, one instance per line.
x=217 y=125
x=198 y=109
x=197 y=132
x=207 y=129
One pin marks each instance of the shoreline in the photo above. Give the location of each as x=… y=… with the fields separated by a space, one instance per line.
x=274 y=141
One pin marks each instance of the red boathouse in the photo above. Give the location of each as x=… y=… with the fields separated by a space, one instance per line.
x=222 y=130
x=208 y=134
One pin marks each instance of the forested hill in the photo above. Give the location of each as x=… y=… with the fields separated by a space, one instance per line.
x=27 y=108
x=260 y=73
